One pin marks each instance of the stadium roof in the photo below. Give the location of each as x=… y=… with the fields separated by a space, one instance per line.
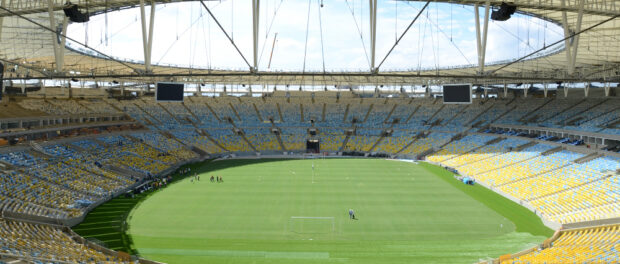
x=591 y=30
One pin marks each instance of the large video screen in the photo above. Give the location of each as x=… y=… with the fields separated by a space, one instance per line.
x=457 y=94
x=169 y=92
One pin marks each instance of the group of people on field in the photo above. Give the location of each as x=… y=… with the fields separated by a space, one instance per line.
x=184 y=171
x=217 y=179
x=196 y=177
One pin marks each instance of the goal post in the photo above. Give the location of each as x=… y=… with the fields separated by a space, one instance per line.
x=312 y=224
x=313 y=155
x=310 y=155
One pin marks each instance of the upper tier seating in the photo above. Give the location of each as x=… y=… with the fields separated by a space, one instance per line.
x=229 y=140
x=570 y=111
x=334 y=116
x=522 y=107
x=99 y=106
x=312 y=111
x=527 y=168
x=193 y=138
x=269 y=109
x=205 y=118
x=423 y=144
x=392 y=144
x=485 y=152
x=291 y=114
x=249 y=116
x=458 y=147
x=502 y=160
x=377 y=115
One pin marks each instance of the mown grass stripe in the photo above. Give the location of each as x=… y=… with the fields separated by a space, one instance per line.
x=237 y=253
x=524 y=219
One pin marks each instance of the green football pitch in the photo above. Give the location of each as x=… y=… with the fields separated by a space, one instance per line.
x=284 y=211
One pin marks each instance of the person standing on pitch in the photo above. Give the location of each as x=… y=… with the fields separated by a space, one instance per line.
x=351 y=214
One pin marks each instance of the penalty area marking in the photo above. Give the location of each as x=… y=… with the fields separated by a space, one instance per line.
x=311 y=225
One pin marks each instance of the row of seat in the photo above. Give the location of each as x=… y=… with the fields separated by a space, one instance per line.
x=45 y=244
x=594 y=115
x=458 y=147
x=542 y=175
x=591 y=245
x=72 y=176
x=485 y=152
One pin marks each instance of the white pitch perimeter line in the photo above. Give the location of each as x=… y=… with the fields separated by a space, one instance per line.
x=313 y=217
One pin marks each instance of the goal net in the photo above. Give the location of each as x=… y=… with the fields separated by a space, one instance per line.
x=312 y=224
x=312 y=155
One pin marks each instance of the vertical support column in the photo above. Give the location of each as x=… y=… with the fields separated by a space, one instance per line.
x=505 y=90
x=151 y=28
x=373 y=33
x=53 y=26
x=571 y=47
x=565 y=90
x=586 y=89
x=545 y=85
x=576 y=38
x=122 y=84
x=147 y=38
x=3 y=4
x=255 y=24
x=60 y=61
x=607 y=88
x=481 y=41
x=525 y=92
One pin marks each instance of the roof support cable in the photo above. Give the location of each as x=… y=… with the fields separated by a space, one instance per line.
x=321 y=30
x=268 y=31
x=225 y=33
x=402 y=35
x=307 y=30
x=395 y=20
x=69 y=38
x=186 y=30
x=449 y=38
x=554 y=43
x=516 y=36
x=352 y=10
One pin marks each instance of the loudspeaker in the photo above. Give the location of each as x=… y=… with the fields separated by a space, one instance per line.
x=503 y=13
x=74 y=14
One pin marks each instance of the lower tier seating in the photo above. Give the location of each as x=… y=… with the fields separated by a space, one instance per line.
x=45 y=244
x=592 y=245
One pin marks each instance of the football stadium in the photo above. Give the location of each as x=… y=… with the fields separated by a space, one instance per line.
x=290 y=131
